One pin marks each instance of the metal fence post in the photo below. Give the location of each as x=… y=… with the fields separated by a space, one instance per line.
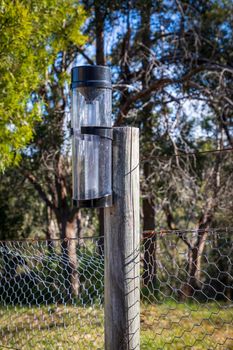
x=122 y=246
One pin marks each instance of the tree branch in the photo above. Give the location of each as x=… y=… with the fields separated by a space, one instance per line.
x=157 y=85
x=32 y=179
x=89 y=60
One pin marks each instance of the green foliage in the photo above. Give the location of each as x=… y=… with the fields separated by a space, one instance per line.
x=21 y=212
x=32 y=34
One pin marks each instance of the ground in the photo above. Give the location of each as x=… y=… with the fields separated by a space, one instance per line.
x=166 y=326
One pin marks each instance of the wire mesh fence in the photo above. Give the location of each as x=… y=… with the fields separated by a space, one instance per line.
x=51 y=296
x=52 y=292
x=187 y=290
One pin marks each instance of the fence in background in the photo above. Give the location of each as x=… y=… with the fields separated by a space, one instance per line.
x=51 y=298
x=187 y=294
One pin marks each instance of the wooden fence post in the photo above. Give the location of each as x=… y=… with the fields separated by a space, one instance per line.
x=122 y=246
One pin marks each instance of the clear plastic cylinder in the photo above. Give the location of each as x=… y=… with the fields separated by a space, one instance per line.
x=91 y=154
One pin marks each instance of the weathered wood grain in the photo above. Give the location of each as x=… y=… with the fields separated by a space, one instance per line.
x=122 y=246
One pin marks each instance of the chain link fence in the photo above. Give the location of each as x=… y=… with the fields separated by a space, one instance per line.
x=51 y=292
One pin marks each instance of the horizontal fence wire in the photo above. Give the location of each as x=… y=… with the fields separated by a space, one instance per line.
x=52 y=292
x=183 y=153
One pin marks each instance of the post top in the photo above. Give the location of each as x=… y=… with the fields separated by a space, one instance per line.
x=93 y=76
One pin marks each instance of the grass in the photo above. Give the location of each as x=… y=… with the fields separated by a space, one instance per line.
x=182 y=326
x=166 y=326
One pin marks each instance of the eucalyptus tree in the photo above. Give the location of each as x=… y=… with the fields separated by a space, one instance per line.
x=32 y=33
x=46 y=161
x=165 y=57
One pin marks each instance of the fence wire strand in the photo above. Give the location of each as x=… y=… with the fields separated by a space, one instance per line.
x=41 y=306
x=52 y=292
x=187 y=289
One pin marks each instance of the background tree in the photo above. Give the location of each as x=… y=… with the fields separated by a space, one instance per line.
x=166 y=57
x=21 y=211
x=172 y=75
x=51 y=35
x=32 y=33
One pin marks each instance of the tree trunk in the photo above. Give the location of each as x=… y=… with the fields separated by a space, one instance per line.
x=150 y=241
x=194 y=272
x=69 y=257
x=100 y=60
x=101 y=232
x=99 y=29
x=196 y=250
x=149 y=273
x=51 y=231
